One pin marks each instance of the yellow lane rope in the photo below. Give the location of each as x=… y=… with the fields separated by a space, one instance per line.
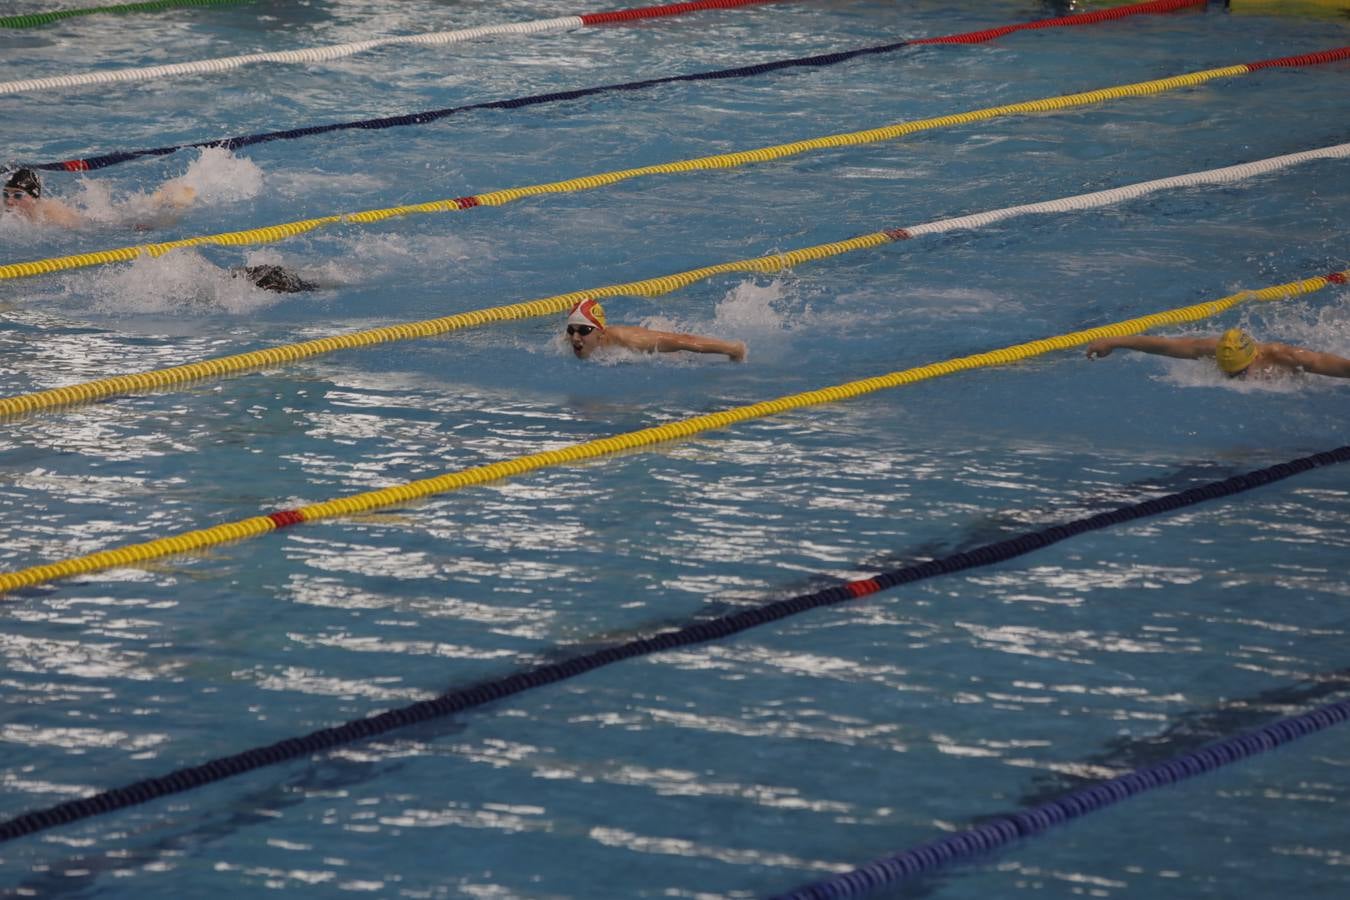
x=90 y=391
x=225 y=365
x=450 y=481
x=721 y=161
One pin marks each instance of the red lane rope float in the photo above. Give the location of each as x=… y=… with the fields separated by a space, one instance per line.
x=1103 y=15
x=423 y=118
x=656 y=12
x=1306 y=59
x=395 y=495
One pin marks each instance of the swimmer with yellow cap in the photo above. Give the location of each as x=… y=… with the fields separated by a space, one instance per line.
x=588 y=332
x=1237 y=354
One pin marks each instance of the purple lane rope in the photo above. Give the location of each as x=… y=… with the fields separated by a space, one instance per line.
x=928 y=857
x=461 y=699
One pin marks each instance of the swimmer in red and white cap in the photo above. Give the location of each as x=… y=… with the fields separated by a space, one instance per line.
x=587 y=332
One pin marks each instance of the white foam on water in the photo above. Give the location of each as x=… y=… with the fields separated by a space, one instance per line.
x=216 y=176
x=14 y=229
x=559 y=345
x=754 y=309
x=181 y=282
x=1202 y=373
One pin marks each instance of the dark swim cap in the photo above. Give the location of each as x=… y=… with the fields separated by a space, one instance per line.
x=275 y=278
x=25 y=180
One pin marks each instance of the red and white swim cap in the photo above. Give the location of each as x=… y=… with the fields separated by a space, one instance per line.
x=587 y=312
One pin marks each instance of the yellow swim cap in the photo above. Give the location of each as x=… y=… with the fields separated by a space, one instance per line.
x=1236 y=351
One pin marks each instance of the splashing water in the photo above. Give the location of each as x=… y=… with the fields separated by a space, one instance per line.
x=182 y=281
x=754 y=309
x=216 y=176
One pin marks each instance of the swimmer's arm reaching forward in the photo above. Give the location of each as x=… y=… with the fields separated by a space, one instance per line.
x=54 y=212
x=1313 y=361
x=1177 y=348
x=645 y=340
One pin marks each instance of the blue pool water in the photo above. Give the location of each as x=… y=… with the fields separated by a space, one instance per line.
x=791 y=752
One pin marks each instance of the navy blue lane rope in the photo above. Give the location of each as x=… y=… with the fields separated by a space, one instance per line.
x=892 y=870
x=422 y=118
x=824 y=59
x=461 y=699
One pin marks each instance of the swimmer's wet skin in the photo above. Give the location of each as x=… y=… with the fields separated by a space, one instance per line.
x=23 y=194
x=588 y=332
x=1235 y=352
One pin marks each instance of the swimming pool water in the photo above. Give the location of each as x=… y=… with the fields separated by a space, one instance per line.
x=744 y=767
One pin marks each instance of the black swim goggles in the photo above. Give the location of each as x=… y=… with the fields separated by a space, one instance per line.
x=582 y=330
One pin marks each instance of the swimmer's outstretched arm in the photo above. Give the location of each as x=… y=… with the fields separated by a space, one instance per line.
x=1178 y=348
x=1308 y=360
x=55 y=212
x=648 y=341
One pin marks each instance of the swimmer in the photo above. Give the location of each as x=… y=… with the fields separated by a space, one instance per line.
x=23 y=194
x=587 y=332
x=1235 y=352
x=274 y=278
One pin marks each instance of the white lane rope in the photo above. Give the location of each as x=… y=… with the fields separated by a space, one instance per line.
x=304 y=55
x=1130 y=191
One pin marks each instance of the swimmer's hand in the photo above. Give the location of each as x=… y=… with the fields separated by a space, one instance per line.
x=737 y=352
x=1098 y=349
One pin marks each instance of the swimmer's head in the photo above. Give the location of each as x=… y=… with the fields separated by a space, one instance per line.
x=585 y=327
x=25 y=181
x=274 y=278
x=1235 y=352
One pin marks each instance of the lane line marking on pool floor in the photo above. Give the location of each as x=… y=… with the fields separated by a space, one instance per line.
x=103 y=161
x=230 y=532
x=338 y=51
x=273 y=233
x=222 y=366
